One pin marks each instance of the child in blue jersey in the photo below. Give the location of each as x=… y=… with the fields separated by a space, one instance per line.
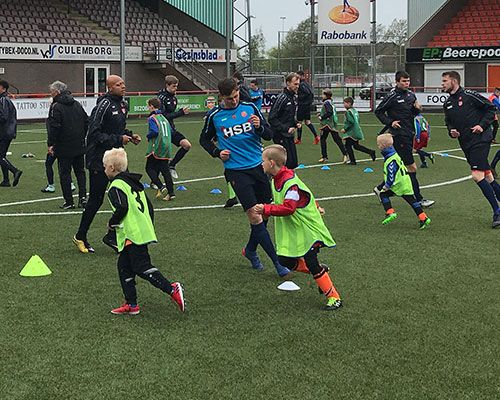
x=238 y=129
x=256 y=93
x=397 y=183
x=421 y=140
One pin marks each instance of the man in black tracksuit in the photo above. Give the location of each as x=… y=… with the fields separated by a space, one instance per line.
x=67 y=126
x=305 y=100
x=282 y=119
x=168 y=104
x=8 y=130
x=244 y=91
x=397 y=111
x=468 y=117
x=106 y=130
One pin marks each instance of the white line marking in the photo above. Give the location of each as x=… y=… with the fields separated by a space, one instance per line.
x=349 y=196
x=458 y=180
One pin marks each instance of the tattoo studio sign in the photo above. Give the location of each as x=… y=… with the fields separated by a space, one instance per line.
x=344 y=22
x=39 y=108
x=67 y=52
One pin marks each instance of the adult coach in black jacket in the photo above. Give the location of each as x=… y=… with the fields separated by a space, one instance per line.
x=282 y=119
x=106 y=130
x=67 y=126
x=305 y=100
x=397 y=111
x=8 y=130
x=468 y=117
x=168 y=103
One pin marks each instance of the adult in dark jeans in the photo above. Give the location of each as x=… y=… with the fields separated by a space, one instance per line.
x=398 y=110
x=67 y=126
x=8 y=130
x=107 y=129
x=282 y=119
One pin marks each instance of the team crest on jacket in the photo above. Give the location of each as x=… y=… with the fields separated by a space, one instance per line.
x=244 y=114
x=460 y=102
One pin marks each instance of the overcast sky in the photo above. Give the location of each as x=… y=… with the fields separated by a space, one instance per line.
x=268 y=12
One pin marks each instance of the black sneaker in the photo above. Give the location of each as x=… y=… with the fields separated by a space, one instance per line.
x=231 y=202
x=67 y=206
x=109 y=239
x=5 y=184
x=82 y=203
x=424 y=165
x=431 y=157
x=17 y=176
x=496 y=220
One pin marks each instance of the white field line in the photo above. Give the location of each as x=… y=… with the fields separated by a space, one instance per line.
x=342 y=197
x=140 y=123
x=351 y=196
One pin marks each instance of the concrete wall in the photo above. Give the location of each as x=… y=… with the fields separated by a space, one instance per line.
x=34 y=76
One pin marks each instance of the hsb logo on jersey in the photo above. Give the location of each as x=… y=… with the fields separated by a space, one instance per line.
x=237 y=129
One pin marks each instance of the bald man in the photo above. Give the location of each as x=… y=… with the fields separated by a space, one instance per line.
x=107 y=129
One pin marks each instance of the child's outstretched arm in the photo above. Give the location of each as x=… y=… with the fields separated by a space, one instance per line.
x=119 y=201
x=293 y=199
x=392 y=170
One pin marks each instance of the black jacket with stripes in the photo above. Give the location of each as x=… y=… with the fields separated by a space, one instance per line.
x=465 y=109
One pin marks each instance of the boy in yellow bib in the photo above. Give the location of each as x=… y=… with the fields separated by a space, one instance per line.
x=397 y=182
x=300 y=230
x=132 y=220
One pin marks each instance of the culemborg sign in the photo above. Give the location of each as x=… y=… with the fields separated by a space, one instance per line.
x=67 y=52
x=343 y=21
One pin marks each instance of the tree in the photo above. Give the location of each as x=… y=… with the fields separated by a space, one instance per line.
x=397 y=33
x=257 y=49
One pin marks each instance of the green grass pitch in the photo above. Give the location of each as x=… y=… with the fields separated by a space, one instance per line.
x=420 y=317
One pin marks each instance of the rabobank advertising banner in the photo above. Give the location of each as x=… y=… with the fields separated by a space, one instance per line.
x=344 y=21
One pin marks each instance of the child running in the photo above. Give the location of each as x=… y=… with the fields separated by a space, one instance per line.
x=397 y=182
x=299 y=229
x=159 y=151
x=352 y=132
x=132 y=220
x=421 y=140
x=329 y=121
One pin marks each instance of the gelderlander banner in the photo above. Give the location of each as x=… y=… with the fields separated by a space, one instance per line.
x=344 y=22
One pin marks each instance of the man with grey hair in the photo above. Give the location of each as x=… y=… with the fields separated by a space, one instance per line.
x=66 y=127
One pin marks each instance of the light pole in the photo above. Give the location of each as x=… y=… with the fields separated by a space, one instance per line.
x=279 y=41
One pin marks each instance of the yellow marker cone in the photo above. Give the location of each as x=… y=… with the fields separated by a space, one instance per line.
x=35 y=267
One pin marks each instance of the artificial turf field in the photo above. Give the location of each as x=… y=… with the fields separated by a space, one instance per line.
x=421 y=308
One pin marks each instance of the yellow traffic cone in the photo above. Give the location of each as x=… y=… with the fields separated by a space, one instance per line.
x=35 y=267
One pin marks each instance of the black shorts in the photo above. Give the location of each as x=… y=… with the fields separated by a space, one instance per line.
x=177 y=137
x=304 y=113
x=477 y=156
x=404 y=147
x=252 y=186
